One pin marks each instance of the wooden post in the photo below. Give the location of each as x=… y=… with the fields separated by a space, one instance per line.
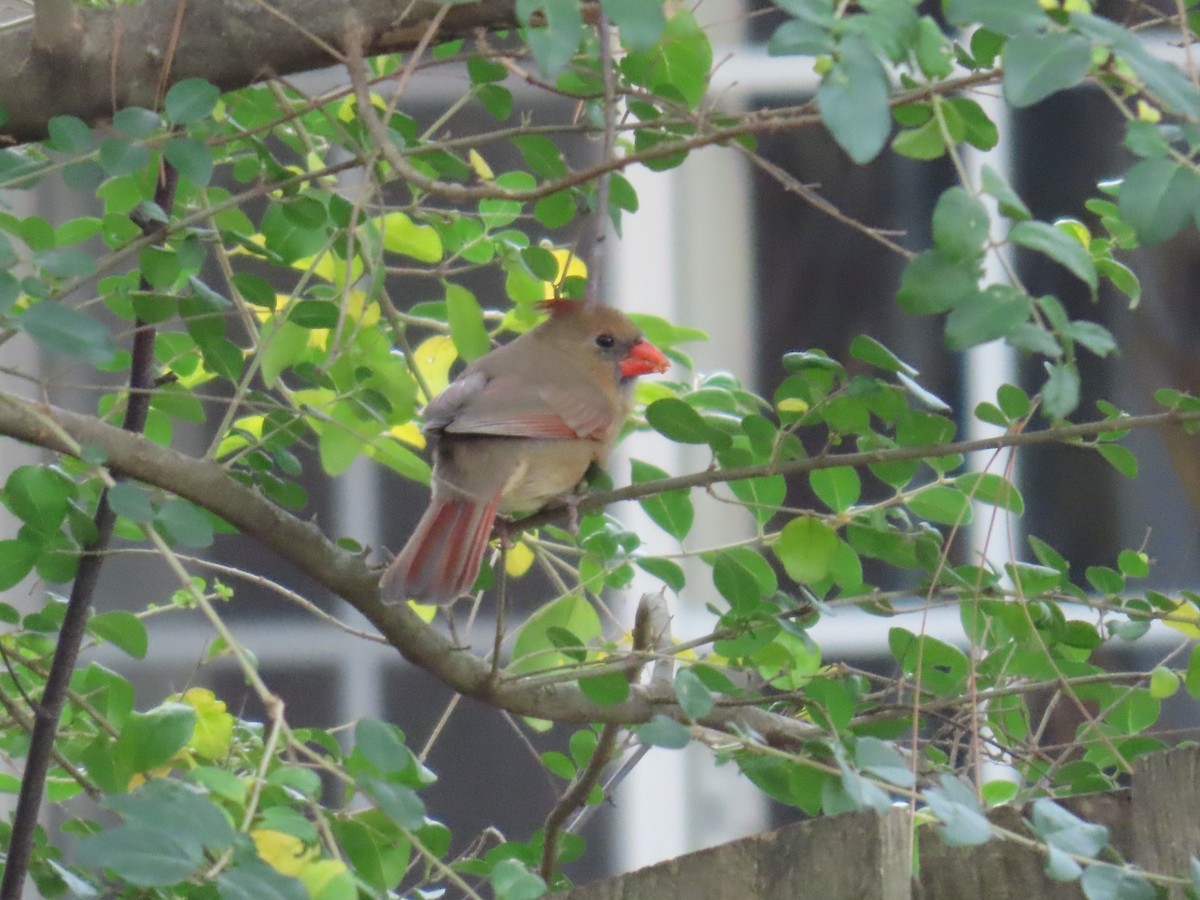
x=1166 y=811
x=857 y=855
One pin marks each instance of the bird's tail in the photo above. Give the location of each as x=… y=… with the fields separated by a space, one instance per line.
x=441 y=560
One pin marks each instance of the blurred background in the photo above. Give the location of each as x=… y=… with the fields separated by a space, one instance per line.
x=720 y=246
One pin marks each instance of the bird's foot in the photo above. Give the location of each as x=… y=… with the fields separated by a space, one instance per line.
x=571 y=504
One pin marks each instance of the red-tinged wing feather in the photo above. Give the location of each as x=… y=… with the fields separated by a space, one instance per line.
x=506 y=407
x=441 y=560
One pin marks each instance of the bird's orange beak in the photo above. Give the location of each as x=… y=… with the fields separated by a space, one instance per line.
x=642 y=359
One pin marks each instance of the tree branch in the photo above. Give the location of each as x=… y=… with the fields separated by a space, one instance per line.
x=117 y=54
x=301 y=543
x=1058 y=434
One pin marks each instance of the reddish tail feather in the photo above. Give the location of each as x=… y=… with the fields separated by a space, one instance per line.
x=441 y=560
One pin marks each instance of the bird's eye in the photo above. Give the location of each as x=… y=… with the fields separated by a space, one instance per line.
x=605 y=341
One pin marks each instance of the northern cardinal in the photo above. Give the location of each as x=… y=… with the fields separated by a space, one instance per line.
x=518 y=428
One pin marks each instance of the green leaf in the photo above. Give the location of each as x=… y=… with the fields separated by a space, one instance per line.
x=374 y=847
x=556 y=210
x=678 y=65
x=960 y=225
x=925 y=142
x=876 y=354
x=145 y=857
x=541 y=155
x=1191 y=680
x=258 y=881
x=672 y=511
x=281 y=346
x=184 y=523
x=466 y=323
x=987 y=315
x=941 y=503
x=641 y=24
x=163 y=803
x=16 y=561
x=498 y=101
x=1035 y=579
x=120 y=156
x=667 y=571
x=932 y=49
x=1065 y=830
x=1105 y=882
x=1038 y=65
x=874 y=756
x=1094 y=336
x=190 y=100
x=993 y=489
x=980 y=131
x=69 y=134
x=150 y=739
x=735 y=582
x=555 y=44
x=964 y=824
x=694 y=698
x=1120 y=458
x=65 y=262
x=1158 y=197
x=58 y=560
x=799 y=37
x=1060 y=394
x=1059 y=246
x=402 y=235
x=661 y=731
x=942 y=667
x=1001 y=16
x=762 y=496
x=933 y=283
x=511 y=880
x=131 y=501
x=678 y=421
x=382 y=745
x=1122 y=278
x=853 y=100
x=396 y=801
x=1009 y=201
x=1134 y=563
x=338 y=447
x=838 y=487
x=1163 y=683
x=605 y=690
x=1033 y=338
x=191 y=157
x=534 y=649
x=806 y=547
x=288 y=233
x=63 y=329
x=39 y=497
x=121 y=629
x=1163 y=79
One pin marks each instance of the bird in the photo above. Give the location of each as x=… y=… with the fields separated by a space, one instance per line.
x=518 y=429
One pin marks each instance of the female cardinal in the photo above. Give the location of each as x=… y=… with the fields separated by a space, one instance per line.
x=517 y=429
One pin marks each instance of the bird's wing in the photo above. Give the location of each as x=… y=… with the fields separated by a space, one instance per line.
x=510 y=406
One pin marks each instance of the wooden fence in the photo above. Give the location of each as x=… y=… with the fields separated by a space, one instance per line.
x=861 y=856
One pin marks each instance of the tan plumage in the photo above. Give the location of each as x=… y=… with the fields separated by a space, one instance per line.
x=516 y=430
